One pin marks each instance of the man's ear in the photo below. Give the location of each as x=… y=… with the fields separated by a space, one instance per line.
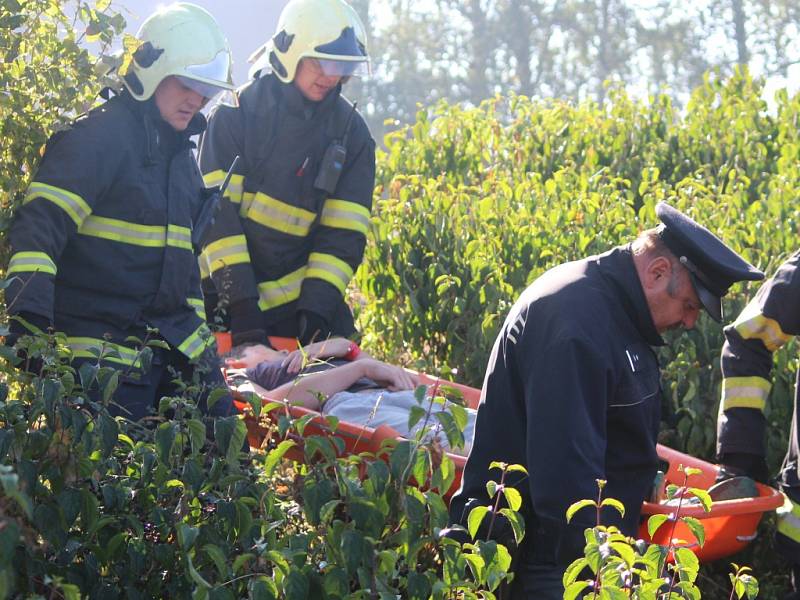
x=657 y=273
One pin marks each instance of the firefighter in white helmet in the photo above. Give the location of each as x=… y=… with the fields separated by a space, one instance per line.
x=102 y=243
x=292 y=227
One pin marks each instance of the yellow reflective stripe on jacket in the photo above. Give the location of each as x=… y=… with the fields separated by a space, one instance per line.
x=329 y=268
x=179 y=237
x=270 y=212
x=224 y=252
x=789 y=520
x=86 y=347
x=149 y=236
x=235 y=186
x=198 y=305
x=282 y=291
x=70 y=203
x=194 y=345
x=745 y=392
x=752 y=324
x=345 y=215
x=31 y=262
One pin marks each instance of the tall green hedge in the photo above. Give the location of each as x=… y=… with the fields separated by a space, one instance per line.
x=473 y=204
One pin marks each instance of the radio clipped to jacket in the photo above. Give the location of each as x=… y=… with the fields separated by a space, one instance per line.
x=332 y=165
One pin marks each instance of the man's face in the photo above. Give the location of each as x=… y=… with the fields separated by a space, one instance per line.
x=312 y=81
x=177 y=103
x=671 y=296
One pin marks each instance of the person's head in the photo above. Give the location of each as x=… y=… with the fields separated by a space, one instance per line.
x=246 y=356
x=683 y=267
x=317 y=45
x=183 y=61
x=670 y=295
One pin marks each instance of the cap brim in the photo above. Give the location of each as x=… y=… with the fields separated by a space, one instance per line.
x=712 y=303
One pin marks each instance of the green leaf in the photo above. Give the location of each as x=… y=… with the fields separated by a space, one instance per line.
x=218 y=556
x=165 y=438
x=275 y=455
x=697 y=529
x=574 y=590
x=197 y=434
x=196 y=577
x=186 y=536
x=703 y=496
x=517 y=523
x=475 y=518
x=513 y=498
x=415 y=415
x=215 y=396
x=687 y=563
x=573 y=571
x=614 y=504
x=654 y=522
x=576 y=506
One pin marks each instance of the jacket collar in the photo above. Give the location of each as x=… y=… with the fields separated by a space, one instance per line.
x=618 y=267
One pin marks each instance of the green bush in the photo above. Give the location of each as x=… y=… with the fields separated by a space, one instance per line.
x=473 y=205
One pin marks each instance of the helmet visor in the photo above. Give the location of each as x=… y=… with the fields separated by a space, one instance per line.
x=343 y=68
x=217 y=72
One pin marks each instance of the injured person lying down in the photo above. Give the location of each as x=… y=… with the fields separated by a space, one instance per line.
x=364 y=391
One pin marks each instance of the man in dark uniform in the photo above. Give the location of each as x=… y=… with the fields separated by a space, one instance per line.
x=768 y=322
x=292 y=227
x=572 y=389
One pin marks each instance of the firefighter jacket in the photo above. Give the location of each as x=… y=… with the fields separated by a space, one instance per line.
x=572 y=392
x=278 y=240
x=102 y=241
x=768 y=322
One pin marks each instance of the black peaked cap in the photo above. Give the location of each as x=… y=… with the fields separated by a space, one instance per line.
x=713 y=266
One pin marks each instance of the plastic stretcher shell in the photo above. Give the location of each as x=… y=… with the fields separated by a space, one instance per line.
x=729 y=526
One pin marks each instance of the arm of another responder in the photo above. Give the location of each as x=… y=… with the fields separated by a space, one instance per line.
x=225 y=257
x=769 y=321
x=339 y=242
x=75 y=171
x=565 y=383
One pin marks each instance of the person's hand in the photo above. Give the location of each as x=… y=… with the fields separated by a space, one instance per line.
x=297 y=359
x=394 y=378
x=736 y=464
x=311 y=326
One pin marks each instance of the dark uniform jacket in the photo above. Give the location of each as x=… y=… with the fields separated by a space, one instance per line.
x=572 y=392
x=102 y=241
x=768 y=322
x=277 y=240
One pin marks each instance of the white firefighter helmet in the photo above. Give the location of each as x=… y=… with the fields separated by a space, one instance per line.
x=329 y=31
x=183 y=40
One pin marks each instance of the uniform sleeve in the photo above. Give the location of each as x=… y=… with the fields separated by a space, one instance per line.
x=225 y=256
x=340 y=240
x=76 y=171
x=769 y=321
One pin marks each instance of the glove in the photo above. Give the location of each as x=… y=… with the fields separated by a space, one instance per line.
x=311 y=327
x=736 y=464
x=247 y=323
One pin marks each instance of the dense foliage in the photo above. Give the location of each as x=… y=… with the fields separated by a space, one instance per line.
x=473 y=205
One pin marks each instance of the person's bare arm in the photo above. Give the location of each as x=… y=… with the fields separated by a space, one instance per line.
x=330 y=348
x=307 y=389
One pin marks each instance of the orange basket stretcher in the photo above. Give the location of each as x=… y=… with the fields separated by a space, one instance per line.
x=729 y=526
